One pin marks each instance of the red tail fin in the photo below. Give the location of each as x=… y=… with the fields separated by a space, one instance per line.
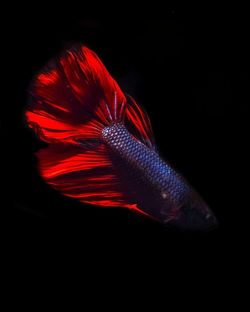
x=72 y=100
x=74 y=97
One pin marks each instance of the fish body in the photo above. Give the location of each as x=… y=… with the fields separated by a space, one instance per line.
x=148 y=164
x=101 y=146
x=173 y=194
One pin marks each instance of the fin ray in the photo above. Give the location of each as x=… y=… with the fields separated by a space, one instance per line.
x=87 y=175
x=138 y=123
x=71 y=101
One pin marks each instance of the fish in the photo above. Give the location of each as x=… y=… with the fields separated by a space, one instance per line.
x=100 y=148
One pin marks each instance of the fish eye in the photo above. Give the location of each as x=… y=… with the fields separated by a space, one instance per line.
x=164 y=195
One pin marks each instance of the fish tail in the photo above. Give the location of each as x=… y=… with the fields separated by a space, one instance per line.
x=71 y=101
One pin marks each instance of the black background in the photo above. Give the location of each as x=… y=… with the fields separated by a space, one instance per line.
x=188 y=67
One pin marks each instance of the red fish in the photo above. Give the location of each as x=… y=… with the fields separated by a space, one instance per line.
x=101 y=148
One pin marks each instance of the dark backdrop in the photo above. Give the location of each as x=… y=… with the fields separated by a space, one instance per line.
x=188 y=67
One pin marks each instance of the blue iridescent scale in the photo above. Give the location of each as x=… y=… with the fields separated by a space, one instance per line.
x=158 y=173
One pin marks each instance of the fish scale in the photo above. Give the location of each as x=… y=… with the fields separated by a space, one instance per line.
x=169 y=183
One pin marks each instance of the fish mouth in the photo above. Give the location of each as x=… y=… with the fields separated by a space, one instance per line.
x=194 y=220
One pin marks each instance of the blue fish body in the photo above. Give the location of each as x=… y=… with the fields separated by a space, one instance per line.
x=176 y=199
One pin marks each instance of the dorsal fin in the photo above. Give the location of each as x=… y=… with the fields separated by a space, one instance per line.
x=138 y=123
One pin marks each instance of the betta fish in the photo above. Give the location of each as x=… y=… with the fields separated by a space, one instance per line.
x=101 y=148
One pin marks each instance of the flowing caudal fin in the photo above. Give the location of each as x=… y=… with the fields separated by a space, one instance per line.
x=71 y=101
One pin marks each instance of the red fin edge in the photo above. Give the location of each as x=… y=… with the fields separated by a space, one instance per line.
x=71 y=101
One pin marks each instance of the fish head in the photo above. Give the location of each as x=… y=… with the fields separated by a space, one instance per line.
x=194 y=215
